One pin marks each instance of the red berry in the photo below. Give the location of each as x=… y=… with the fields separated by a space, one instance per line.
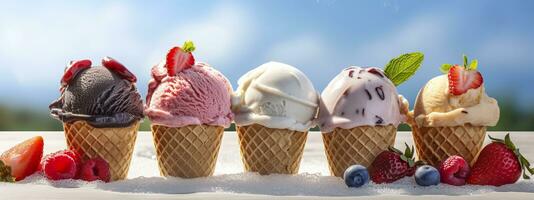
x=74 y=68
x=389 y=167
x=454 y=170
x=461 y=80
x=118 y=68
x=178 y=60
x=95 y=169
x=498 y=164
x=59 y=165
x=24 y=158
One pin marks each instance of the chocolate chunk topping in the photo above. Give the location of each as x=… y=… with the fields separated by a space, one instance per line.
x=342 y=113
x=351 y=72
x=346 y=93
x=380 y=92
x=465 y=112
x=359 y=77
x=368 y=94
x=357 y=111
x=363 y=112
x=376 y=72
x=379 y=119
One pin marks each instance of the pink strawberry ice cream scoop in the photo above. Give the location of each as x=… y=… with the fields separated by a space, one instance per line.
x=182 y=93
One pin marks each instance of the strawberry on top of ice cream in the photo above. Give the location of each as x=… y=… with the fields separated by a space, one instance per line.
x=456 y=98
x=182 y=92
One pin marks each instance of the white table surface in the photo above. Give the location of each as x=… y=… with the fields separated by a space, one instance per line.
x=229 y=182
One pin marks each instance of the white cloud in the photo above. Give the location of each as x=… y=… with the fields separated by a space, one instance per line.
x=37 y=42
x=301 y=50
x=508 y=49
x=219 y=35
x=423 y=33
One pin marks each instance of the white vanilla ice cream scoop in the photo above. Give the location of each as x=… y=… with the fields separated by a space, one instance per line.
x=361 y=97
x=275 y=95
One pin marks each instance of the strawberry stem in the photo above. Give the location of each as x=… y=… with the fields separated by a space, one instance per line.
x=188 y=46
x=407 y=155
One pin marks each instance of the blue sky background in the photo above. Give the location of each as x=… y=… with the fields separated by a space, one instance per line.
x=319 y=37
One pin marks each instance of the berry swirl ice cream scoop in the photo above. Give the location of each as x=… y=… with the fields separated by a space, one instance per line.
x=182 y=92
x=103 y=96
x=367 y=96
x=360 y=110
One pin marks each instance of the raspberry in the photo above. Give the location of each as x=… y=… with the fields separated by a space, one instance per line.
x=59 y=166
x=95 y=169
x=454 y=171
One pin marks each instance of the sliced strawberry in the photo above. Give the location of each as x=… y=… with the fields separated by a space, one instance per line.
x=179 y=59
x=24 y=158
x=118 y=68
x=461 y=80
x=74 y=68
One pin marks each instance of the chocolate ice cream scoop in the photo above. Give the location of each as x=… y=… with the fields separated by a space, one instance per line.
x=103 y=96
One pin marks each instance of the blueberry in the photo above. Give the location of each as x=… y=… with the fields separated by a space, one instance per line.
x=427 y=175
x=356 y=176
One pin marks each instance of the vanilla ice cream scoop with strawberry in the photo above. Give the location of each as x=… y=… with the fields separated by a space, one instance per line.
x=455 y=99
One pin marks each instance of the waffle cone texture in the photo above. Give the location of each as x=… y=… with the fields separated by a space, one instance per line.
x=359 y=145
x=271 y=151
x=435 y=144
x=189 y=151
x=115 y=145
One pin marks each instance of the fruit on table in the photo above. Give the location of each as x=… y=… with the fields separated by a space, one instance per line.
x=356 y=176
x=427 y=175
x=24 y=158
x=499 y=163
x=60 y=165
x=392 y=165
x=454 y=171
x=95 y=169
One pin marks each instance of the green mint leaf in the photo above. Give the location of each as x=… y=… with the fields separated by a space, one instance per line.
x=188 y=46
x=473 y=65
x=403 y=67
x=445 y=68
x=465 y=61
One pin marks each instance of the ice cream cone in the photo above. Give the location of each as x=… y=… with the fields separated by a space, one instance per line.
x=115 y=145
x=359 y=145
x=268 y=150
x=435 y=144
x=189 y=151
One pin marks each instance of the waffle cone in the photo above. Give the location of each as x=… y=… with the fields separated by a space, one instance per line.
x=268 y=150
x=115 y=145
x=435 y=144
x=189 y=151
x=359 y=145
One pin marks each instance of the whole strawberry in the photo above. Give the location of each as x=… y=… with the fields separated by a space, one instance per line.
x=499 y=163
x=390 y=166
